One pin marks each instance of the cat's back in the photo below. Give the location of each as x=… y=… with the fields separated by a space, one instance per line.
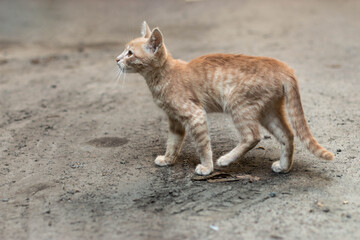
x=244 y=63
x=221 y=79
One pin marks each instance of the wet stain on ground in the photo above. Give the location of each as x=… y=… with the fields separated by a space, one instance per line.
x=108 y=142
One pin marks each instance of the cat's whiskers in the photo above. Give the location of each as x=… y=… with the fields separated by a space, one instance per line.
x=121 y=74
x=123 y=80
x=117 y=73
x=118 y=78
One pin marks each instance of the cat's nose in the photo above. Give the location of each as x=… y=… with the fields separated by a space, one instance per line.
x=117 y=59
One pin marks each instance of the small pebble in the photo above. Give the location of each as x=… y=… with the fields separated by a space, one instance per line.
x=272 y=194
x=348 y=215
x=35 y=61
x=215 y=228
x=326 y=210
x=158 y=209
x=267 y=137
x=338 y=150
x=174 y=194
x=138 y=167
x=5 y=200
x=179 y=200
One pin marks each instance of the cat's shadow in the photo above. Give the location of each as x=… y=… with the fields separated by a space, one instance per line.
x=173 y=191
x=257 y=165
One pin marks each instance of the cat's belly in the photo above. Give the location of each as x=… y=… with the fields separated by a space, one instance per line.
x=215 y=102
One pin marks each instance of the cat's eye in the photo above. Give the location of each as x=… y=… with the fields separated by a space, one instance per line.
x=129 y=53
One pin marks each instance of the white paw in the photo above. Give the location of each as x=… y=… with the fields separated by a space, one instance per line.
x=223 y=161
x=276 y=167
x=162 y=161
x=202 y=170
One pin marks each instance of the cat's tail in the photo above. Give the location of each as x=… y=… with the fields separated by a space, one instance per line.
x=297 y=118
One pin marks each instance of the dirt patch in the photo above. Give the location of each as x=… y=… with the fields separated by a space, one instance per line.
x=108 y=142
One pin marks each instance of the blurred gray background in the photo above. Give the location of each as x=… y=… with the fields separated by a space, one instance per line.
x=77 y=144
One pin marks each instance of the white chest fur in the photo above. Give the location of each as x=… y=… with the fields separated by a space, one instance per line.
x=158 y=93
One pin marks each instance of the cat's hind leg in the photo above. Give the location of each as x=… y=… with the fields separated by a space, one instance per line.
x=278 y=126
x=174 y=143
x=248 y=129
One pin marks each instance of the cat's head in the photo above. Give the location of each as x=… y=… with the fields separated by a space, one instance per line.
x=143 y=54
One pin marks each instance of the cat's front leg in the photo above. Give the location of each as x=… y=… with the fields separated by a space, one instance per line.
x=174 y=143
x=197 y=126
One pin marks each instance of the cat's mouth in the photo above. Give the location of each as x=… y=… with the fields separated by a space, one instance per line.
x=121 y=66
x=126 y=69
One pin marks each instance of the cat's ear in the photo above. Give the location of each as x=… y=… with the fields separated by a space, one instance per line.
x=155 y=41
x=145 y=30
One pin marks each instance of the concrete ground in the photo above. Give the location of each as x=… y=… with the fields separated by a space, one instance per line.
x=77 y=148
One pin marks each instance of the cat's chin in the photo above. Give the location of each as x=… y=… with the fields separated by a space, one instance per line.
x=130 y=71
x=127 y=70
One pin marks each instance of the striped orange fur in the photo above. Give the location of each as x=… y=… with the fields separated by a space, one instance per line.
x=252 y=90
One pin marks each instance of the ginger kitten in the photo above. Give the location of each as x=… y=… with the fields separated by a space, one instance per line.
x=253 y=90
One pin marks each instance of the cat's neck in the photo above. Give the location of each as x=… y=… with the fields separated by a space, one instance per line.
x=157 y=74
